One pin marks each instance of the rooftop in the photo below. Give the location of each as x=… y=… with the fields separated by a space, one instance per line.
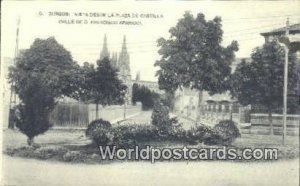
x=293 y=29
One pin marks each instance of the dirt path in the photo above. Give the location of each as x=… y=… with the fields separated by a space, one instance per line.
x=34 y=172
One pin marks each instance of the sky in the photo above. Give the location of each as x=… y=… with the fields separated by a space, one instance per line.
x=242 y=21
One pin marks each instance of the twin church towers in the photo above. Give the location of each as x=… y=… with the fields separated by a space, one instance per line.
x=121 y=62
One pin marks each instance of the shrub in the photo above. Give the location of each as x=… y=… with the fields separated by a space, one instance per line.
x=32 y=118
x=177 y=133
x=123 y=136
x=160 y=118
x=126 y=136
x=224 y=133
x=49 y=151
x=144 y=95
x=199 y=133
x=99 y=131
x=73 y=156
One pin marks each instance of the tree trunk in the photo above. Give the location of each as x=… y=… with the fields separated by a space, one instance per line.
x=171 y=98
x=97 y=109
x=199 y=106
x=270 y=121
x=30 y=141
x=230 y=111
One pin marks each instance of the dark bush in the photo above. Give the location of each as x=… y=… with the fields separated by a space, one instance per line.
x=177 y=133
x=199 y=133
x=99 y=131
x=160 y=118
x=32 y=118
x=224 y=133
x=144 y=95
x=126 y=136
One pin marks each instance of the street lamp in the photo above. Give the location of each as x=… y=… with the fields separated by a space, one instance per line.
x=285 y=41
x=292 y=44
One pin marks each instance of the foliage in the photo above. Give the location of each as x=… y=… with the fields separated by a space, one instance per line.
x=144 y=95
x=199 y=133
x=42 y=73
x=73 y=156
x=125 y=136
x=105 y=86
x=47 y=152
x=135 y=95
x=169 y=99
x=193 y=56
x=224 y=133
x=261 y=80
x=99 y=131
x=33 y=115
x=128 y=136
x=160 y=117
x=85 y=74
x=48 y=61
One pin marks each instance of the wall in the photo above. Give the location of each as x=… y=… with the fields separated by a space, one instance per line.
x=79 y=115
x=260 y=124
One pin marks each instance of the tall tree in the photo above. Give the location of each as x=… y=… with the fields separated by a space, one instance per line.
x=144 y=95
x=135 y=93
x=42 y=74
x=193 y=56
x=85 y=75
x=105 y=86
x=260 y=82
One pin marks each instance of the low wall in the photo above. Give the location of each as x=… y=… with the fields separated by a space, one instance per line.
x=112 y=113
x=73 y=114
x=79 y=115
x=260 y=124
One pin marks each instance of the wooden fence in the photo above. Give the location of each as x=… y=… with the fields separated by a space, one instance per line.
x=78 y=115
x=70 y=115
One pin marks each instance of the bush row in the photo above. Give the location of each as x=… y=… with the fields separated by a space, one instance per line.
x=126 y=136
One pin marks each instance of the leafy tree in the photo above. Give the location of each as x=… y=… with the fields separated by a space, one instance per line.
x=42 y=73
x=160 y=116
x=85 y=74
x=193 y=56
x=105 y=86
x=260 y=82
x=144 y=95
x=135 y=91
x=169 y=99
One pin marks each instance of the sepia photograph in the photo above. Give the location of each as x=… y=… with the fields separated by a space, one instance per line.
x=150 y=93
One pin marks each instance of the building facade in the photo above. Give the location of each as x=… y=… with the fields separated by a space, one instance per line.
x=187 y=100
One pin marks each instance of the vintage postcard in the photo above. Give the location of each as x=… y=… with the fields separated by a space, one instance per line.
x=150 y=93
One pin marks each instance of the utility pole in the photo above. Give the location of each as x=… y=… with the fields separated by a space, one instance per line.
x=285 y=85
x=126 y=98
x=13 y=98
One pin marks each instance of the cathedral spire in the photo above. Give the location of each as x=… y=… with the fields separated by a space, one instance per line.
x=104 y=53
x=124 y=47
x=138 y=76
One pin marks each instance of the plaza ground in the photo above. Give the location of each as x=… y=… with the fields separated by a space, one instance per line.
x=23 y=172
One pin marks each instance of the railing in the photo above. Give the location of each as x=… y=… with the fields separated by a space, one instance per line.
x=260 y=124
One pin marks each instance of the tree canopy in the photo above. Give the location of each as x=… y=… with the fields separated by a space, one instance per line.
x=193 y=55
x=261 y=80
x=105 y=86
x=144 y=95
x=42 y=73
x=48 y=61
